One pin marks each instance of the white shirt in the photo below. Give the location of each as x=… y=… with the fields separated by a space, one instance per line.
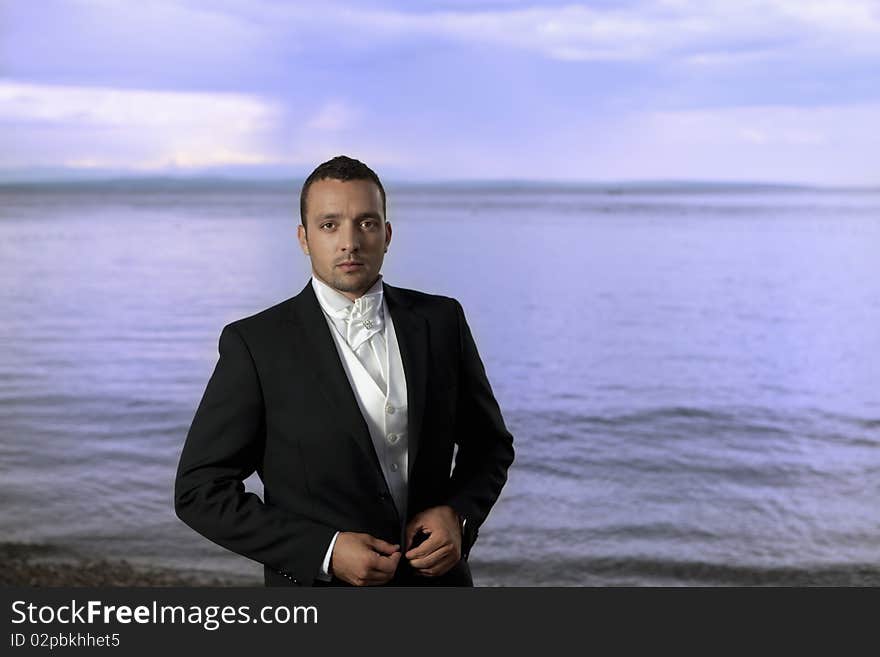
x=369 y=345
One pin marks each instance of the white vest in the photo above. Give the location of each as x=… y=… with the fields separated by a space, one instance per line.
x=385 y=414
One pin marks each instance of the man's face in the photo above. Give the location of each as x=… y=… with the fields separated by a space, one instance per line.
x=347 y=234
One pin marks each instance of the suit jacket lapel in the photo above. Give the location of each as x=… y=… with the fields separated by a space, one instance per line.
x=318 y=351
x=412 y=338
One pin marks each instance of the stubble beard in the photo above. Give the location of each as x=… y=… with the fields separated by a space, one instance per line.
x=351 y=284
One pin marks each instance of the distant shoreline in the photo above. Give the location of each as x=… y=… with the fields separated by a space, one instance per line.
x=43 y=565
x=213 y=184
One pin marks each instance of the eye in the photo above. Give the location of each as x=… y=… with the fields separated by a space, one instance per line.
x=326 y=225
x=369 y=224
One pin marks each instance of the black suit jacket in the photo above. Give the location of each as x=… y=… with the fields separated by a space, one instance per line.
x=279 y=403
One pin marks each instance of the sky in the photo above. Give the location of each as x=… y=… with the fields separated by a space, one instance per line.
x=781 y=91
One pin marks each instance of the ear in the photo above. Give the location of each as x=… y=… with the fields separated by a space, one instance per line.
x=387 y=236
x=303 y=239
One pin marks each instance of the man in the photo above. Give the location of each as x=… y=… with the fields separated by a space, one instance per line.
x=348 y=401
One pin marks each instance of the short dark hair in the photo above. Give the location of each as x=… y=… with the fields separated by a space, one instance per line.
x=342 y=168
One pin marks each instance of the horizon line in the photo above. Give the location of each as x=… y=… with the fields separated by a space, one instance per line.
x=245 y=181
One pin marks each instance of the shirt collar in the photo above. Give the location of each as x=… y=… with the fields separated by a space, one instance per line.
x=336 y=304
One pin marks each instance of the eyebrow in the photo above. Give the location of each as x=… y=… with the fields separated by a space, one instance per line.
x=362 y=215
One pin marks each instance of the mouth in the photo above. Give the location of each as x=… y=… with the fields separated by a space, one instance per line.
x=350 y=265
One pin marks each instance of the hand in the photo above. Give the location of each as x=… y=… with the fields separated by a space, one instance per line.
x=442 y=549
x=363 y=560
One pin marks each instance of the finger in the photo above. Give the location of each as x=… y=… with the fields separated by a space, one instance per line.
x=384 y=565
x=412 y=529
x=382 y=547
x=434 y=541
x=436 y=570
x=428 y=562
x=432 y=559
x=383 y=571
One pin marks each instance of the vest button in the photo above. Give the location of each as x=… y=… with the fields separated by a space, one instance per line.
x=389 y=409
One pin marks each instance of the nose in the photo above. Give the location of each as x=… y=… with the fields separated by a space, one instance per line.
x=349 y=238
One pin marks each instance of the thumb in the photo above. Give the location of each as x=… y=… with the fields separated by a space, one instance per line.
x=411 y=530
x=383 y=547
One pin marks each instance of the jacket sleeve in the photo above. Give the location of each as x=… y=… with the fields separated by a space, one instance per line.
x=223 y=447
x=485 y=446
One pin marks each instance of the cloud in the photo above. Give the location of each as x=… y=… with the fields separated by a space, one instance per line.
x=247 y=43
x=449 y=88
x=770 y=125
x=703 y=31
x=127 y=43
x=164 y=32
x=822 y=145
x=129 y=108
x=132 y=128
x=141 y=130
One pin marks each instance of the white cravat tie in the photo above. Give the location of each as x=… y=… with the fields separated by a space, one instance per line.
x=361 y=324
x=364 y=319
